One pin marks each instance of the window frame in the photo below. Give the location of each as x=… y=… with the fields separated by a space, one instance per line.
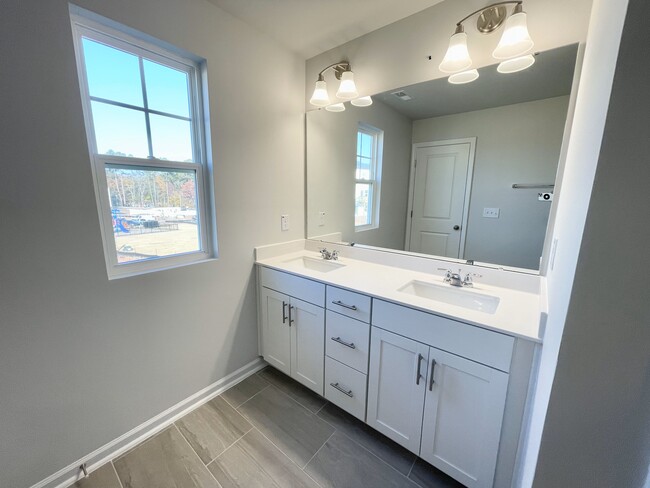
x=83 y=27
x=374 y=194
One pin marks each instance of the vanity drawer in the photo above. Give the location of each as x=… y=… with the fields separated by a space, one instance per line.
x=292 y=285
x=347 y=340
x=346 y=388
x=481 y=345
x=348 y=303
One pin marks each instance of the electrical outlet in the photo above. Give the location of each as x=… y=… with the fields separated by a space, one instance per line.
x=284 y=222
x=321 y=219
x=491 y=213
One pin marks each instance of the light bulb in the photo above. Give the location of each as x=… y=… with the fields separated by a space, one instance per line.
x=347 y=89
x=457 y=56
x=463 y=77
x=362 y=101
x=320 y=98
x=515 y=40
x=516 y=64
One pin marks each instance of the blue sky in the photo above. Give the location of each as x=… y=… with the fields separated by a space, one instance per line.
x=115 y=75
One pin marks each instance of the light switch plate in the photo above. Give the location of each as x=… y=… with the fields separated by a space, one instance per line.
x=284 y=222
x=491 y=213
x=321 y=219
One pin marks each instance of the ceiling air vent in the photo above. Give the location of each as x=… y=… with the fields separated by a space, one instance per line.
x=402 y=95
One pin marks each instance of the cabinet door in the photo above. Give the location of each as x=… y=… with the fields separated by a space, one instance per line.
x=462 y=418
x=395 y=392
x=276 y=333
x=308 y=344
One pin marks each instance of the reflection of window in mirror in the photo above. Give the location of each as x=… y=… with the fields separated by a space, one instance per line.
x=368 y=177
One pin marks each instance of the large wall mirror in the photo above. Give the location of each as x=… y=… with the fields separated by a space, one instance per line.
x=456 y=171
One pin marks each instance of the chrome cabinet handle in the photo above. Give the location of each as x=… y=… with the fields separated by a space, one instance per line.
x=433 y=369
x=344 y=305
x=291 y=319
x=417 y=379
x=284 y=313
x=346 y=344
x=342 y=390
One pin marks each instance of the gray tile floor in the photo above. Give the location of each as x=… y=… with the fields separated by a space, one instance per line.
x=269 y=432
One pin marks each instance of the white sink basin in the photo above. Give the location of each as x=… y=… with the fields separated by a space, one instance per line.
x=314 y=264
x=461 y=297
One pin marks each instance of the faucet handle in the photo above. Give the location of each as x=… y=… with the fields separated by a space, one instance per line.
x=448 y=274
x=335 y=255
x=468 y=281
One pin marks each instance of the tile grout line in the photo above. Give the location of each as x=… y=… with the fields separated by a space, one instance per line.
x=237 y=408
x=232 y=405
x=412 y=466
x=319 y=449
x=116 y=475
x=381 y=460
x=235 y=442
x=321 y=408
x=294 y=399
x=285 y=454
x=197 y=455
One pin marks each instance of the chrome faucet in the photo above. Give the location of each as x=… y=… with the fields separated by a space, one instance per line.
x=454 y=279
x=329 y=255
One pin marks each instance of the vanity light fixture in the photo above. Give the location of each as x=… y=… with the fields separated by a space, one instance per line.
x=335 y=107
x=463 y=77
x=347 y=89
x=512 y=48
x=362 y=101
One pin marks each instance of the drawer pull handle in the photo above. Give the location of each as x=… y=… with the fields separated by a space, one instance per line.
x=346 y=344
x=291 y=319
x=342 y=390
x=344 y=305
x=418 y=374
x=433 y=370
x=284 y=312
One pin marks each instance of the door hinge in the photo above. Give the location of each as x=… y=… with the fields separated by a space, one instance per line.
x=411 y=213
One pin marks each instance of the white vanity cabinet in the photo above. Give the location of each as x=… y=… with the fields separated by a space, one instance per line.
x=447 y=406
x=293 y=326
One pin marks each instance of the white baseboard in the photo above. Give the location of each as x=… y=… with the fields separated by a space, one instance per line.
x=70 y=474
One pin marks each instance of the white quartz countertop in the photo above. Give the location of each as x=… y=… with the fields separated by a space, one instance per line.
x=518 y=313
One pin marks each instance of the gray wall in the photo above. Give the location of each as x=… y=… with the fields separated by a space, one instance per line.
x=517 y=143
x=84 y=359
x=597 y=430
x=331 y=162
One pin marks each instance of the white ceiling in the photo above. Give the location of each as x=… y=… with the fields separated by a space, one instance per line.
x=310 y=27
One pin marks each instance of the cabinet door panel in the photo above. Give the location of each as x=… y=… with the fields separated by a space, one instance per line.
x=462 y=418
x=395 y=397
x=308 y=344
x=276 y=334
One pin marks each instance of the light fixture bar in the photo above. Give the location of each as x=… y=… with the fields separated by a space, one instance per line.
x=483 y=9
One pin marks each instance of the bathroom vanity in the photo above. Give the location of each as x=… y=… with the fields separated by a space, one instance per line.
x=443 y=371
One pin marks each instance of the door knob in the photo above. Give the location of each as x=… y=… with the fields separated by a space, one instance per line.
x=456 y=227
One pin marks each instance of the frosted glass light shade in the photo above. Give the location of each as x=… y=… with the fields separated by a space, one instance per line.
x=457 y=56
x=515 y=40
x=362 y=101
x=463 y=77
x=347 y=88
x=516 y=64
x=335 y=107
x=320 y=98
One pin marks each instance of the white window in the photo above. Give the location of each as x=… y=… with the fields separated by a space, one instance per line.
x=142 y=107
x=368 y=177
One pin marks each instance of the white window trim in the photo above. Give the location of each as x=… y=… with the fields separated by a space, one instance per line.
x=85 y=27
x=374 y=194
